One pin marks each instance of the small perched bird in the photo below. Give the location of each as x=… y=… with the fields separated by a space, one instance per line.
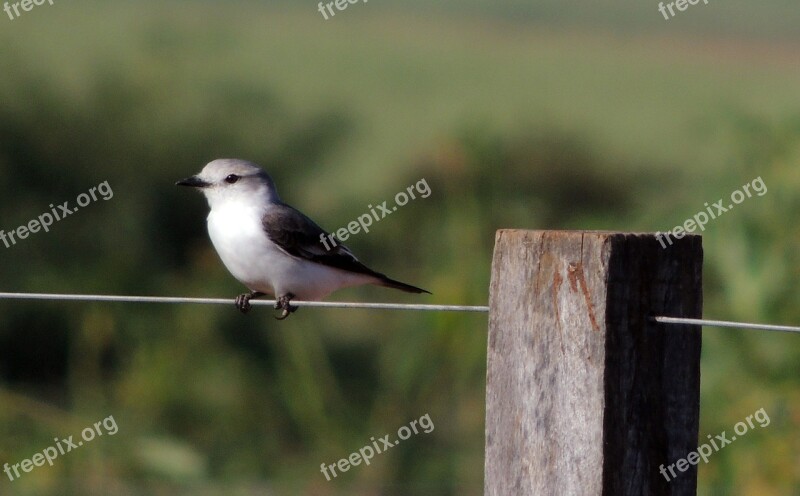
x=270 y=247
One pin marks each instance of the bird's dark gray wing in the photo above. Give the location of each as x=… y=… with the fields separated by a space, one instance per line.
x=299 y=236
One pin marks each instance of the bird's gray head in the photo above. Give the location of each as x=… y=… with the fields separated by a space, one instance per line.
x=231 y=179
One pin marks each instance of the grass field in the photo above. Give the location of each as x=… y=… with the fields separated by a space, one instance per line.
x=565 y=114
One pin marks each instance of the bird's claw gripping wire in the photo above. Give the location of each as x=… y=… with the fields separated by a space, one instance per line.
x=283 y=303
x=242 y=301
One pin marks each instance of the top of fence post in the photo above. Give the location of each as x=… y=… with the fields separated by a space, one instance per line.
x=585 y=394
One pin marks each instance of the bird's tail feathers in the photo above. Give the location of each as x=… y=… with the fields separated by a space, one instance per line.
x=391 y=283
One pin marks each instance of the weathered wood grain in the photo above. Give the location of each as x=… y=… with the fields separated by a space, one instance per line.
x=584 y=394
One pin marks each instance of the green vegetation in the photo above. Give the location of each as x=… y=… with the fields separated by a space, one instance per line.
x=562 y=116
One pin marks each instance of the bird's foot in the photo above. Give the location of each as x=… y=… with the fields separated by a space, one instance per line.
x=282 y=303
x=242 y=301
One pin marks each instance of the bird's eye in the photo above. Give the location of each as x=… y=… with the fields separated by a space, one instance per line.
x=231 y=179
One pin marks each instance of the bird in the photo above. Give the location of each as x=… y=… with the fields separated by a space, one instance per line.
x=271 y=247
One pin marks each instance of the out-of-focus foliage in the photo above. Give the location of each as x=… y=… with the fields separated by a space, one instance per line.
x=509 y=127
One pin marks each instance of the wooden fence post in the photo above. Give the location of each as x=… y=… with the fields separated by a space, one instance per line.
x=584 y=394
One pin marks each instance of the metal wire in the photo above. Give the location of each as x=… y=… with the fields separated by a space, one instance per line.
x=374 y=306
x=229 y=301
x=725 y=323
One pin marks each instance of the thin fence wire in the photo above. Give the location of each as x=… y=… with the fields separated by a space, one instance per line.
x=726 y=323
x=229 y=301
x=373 y=306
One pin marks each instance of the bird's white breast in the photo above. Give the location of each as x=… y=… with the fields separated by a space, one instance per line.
x=236 y=232
x=238 y=236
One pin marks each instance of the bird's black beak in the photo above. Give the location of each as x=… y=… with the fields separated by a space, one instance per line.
x=194 y=182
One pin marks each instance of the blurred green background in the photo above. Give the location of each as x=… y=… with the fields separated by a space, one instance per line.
x=562 y=114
